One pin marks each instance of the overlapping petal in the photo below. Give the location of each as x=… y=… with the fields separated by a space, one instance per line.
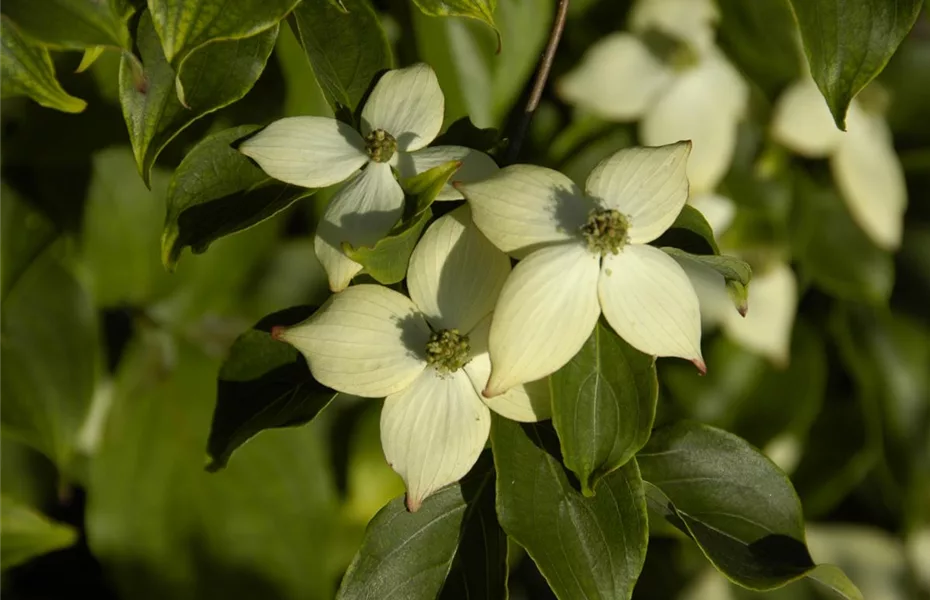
x=307 y=151
x=802 y=121
x=433 y=432
x=408 y=104
x=361 y=213
x=475 y=166
x=368 y=341
x=766 y=328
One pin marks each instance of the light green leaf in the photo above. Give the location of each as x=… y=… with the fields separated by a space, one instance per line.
x=833 y=578
x=216 y=191
x=25 y=234
x=151 y=106
x=25 y=534
x=346 y=48
x=584 y=547
x=27 y=70
x=90 y=57
x=73 y=24
x=483 y=10
x=849 y=43
x=603 y=406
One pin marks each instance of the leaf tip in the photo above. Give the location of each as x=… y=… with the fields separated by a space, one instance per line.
x=170 y=251
x=214 y=464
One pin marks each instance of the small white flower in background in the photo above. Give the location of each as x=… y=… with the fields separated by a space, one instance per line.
x=401 y=117
x=864 y=164
x=586 y=253
x=427 y=354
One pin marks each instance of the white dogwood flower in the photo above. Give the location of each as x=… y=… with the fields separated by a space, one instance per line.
x=864 y=164
x=586 y=253
x=401 y=117
x=427 y=354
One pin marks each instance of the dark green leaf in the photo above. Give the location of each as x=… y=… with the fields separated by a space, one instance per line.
x=263 y=384
x=27 y=70
x=849 y=43
x=216 y=191
x=25 y=233
x=690 y=219
x=483 y=10
x=73 y=24
x=464 y=133
x=25 y=534
x=151 y=106
x=346 y=49
x=585 y=547
x=603 y=406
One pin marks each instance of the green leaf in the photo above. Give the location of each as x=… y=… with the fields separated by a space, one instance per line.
x=833 y=578
x=90 y=57
x=25 y=234
x=603 y=406
x=27 y=70
x=585 y=547
x=73 y=24
x=216 y=191
x=690 y=219
x=849 y=43
x=263 y=384
x=483 y=10
x=152 y=109
x=736 y=273
x=408 y=555
x=346 y=49
x=25 y=534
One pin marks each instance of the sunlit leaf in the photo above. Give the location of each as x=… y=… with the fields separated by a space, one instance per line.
x=25 y=534
x=74 y=24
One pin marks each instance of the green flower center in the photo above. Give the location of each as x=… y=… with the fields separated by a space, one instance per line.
x=380 y=145
x=607 y=231
x=447 y=350
x=672 y=51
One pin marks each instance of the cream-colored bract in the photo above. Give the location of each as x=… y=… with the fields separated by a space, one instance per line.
x=553 y=298
x=371 y=341
x=317 y=152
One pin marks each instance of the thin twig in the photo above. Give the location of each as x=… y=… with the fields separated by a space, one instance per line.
x=542 y=75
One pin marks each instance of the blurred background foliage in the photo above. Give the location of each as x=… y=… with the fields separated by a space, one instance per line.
x=109 y=363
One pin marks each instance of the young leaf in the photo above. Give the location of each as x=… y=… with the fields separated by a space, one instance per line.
x=585 y=547
x=73 y=25
x=346 y=48
x=27 y=70
x=216 y=191
x=603 y=406
x=151 y=106
x=483 y=10
x=25 y=533
x=849 y=43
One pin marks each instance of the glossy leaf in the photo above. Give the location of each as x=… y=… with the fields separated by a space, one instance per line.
x=263 y=384
x=483 y=10
x=152 y=109
x=27 y=70
x=24 y=235
x=346 y=48
x=73 y=24
x=603 y=406
x=217 y=191
x=25 y=534
x=849 y=43
x=585 y=547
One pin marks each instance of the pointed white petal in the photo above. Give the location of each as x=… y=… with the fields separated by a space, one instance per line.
x=711 y=290
x=616 y=79
x=455 y=273
x=718 y=210
x=546 y=311
x=408 y=104
x=307 y=151
x=766 y=328
x=703 y=105
x=691 y=21
x=475 y=166
x=361 y=213
x=433 y=431
x=649 y=185
x=802 y=121
x=522 y=208
x=368 y=340
x=648 y=300
x=527 y=403
x=871 y=179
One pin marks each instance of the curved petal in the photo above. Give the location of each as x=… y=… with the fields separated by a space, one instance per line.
x=802 y=121
x=527 y=403
x=361 y=213
x=871 y=179
x=546 y=311
x=455 y=273
x=475 y=166
x=718 y=210
x=408 y=104
x=522 y=208
x=703 y=105
x=368 y=340
x=766 y=328
x=307 y=151
x=648 y=300
x=691 y=21
x=649 y=185
x=616 y=79
x=433 y=431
